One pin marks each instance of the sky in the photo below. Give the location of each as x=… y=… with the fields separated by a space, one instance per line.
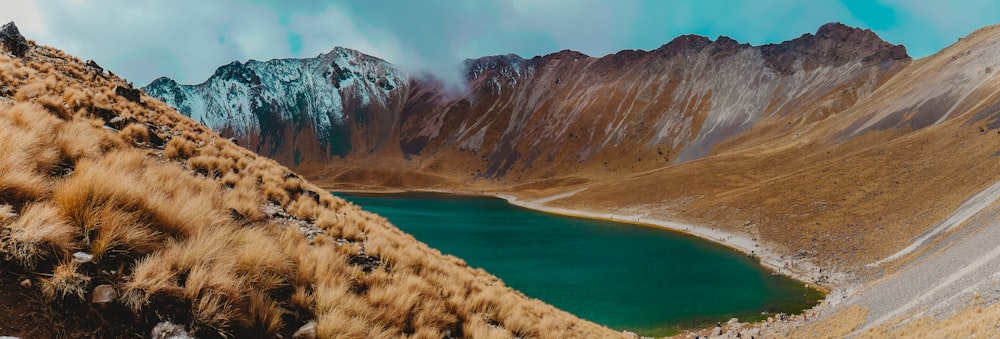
x=188 y=39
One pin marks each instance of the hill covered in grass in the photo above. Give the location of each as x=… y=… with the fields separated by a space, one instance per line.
x=118 y=215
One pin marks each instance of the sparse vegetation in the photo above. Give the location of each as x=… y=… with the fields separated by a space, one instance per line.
x=195 y=230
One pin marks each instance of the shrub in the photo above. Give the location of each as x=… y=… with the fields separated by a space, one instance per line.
x=65 y=282
x=179 y=148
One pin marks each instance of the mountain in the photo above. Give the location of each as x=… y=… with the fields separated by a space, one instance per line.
x=328 y=105
x=122 y=218
x=832 y=157
x=522 y=117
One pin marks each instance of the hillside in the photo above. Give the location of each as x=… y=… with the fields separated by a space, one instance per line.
x=118 y=215
x=833 y=157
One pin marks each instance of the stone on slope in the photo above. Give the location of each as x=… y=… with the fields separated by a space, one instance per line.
x=307 y=331
x=131 y=94
x=103 y=295
x=169 y=330
x=11 y=37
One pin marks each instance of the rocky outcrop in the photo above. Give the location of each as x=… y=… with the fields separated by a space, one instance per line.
x=12 y=39
x=834 y=44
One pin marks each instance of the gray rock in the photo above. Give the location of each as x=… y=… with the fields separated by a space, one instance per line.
x=307 y=331
x=733 y=321
x=103 y=295
x=11 y=37
x=169 y=330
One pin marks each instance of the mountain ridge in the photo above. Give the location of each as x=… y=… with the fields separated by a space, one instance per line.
x=499 y=75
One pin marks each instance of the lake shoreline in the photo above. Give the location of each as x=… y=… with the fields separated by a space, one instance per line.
x=769 y=258
x=392 y=202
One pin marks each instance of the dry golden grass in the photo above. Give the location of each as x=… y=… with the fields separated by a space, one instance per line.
x=41 y=231
x=64 y=282
x=210 y=235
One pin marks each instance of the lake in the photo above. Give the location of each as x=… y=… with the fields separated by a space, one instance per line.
x=644 y=279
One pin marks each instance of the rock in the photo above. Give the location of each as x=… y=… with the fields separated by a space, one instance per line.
x=103 y=295
x=8 y=337
x=11 y=37
x=131 y=94
x=733 y=321
x=154 y=138
x=103 y=113
x=717 y=331
x=307 y=331
x=119 y=122
x=83 y=257
x=26 y=283
x=169 y=330
x=630 y=334
x=94 y=66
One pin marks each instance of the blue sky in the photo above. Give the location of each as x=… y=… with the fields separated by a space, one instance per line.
x=188 y=39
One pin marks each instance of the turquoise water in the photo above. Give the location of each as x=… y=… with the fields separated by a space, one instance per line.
x=643 y=279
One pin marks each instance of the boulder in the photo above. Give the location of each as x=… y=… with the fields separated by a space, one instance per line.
x=307 y=331
x=103 y=295
x=11 y=37
x=131 y=94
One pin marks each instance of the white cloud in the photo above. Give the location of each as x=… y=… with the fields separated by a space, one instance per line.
x=25 y=13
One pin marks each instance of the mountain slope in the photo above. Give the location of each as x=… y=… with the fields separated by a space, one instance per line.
x=120 y=217
x=523 y=119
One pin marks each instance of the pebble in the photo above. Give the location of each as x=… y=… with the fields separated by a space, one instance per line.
x=83 y=257
x=26 y=283
x=103 y=295
x=169 y=330
x=307 y=331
